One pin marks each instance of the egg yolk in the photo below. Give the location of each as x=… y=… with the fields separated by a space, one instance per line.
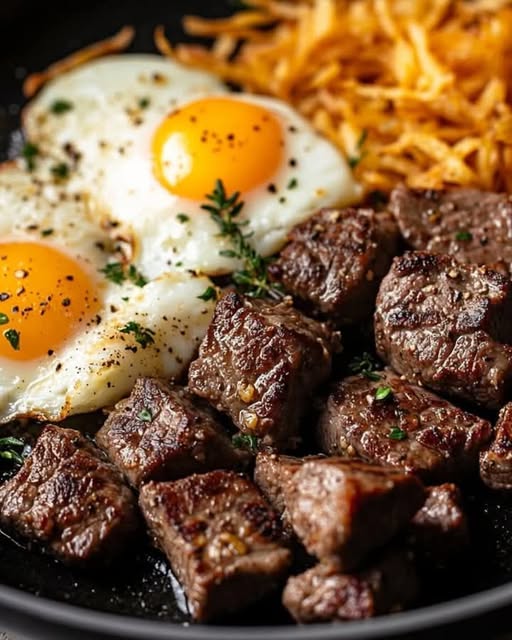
x=217 y=138
x=45 y=296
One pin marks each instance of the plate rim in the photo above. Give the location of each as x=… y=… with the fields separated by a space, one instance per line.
x=130 y=627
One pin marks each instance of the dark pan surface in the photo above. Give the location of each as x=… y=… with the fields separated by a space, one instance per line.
x=36 y=34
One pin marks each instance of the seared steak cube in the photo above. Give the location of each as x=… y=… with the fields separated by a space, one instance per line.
x=439 y=531
x=260 y=363
x=221 y=538
x=324 y=593
x=409 y=427
x=473 y=226
x=447 y=325
x=335 y=260
x=161 y=432
x=346 y=508
x=69 y=498
x=496 y=461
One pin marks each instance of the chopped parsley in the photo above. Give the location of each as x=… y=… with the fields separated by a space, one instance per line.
x=383 y=393
x=61 y=106
x=253 y=279
x=8 y=450
x=60 y=171
x=142 y=336
x=293 y=183
x=354 y=160
x=464 y=236
x=397 y=434
x=13 y=338
x=145 y=415
x=182 y=217
x=210 y=293
x=46 y=232
x=117 y=273
x=245 y=441
x=4 y=319
x=29 y=152
x=144 y=103
x=364 y=365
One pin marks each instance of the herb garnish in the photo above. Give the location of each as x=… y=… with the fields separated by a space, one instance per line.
x=142 y=335
x=144 y=103
x=244 y=441
x=293 y=183
x=60 y=170
x=118 y=273
x=464 y=236
x=365 y=365
x=61 y=106
x=397 y=434
x=13 y=338
x=29 y=153
x=145 y=415
x=4 y=319
x=253 y=279
x=182 y=217
x=353 y=161
x=8 y=446
x=46 y=232
x=210 y=293
x=383 y=393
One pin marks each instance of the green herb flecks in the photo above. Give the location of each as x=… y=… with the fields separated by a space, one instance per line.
x=364 y=365
x=4 y=318
x=145 y=415
x=144 y=103
x=13 y=338
x=182 y=217
x=397 y=434
x=253 y=279
x=247 y=442
x=210 y=293
x=463 y=236
x=142 y=335
x=60 y=171
x=118 y=273
x=46 y=232
x=354 y=160
x=10 y=450
x=29 y=153
x=59 y=107
x=383 y=393
x=293 y=183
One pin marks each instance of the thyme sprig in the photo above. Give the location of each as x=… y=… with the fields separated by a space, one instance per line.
x=253 y=279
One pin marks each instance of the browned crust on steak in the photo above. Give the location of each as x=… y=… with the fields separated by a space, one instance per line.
x=496 y=461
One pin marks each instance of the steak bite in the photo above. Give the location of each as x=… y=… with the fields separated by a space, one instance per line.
x=162 y=432
x=473 y=226
x=260 y=363
x=496 y=461
x=271 y=472
x=447 y=325
x=439 y=531
x=346 y=508
x=221 y=538
x=324 y=593
x=71 y=500
x=335 y=260
x=409 y=427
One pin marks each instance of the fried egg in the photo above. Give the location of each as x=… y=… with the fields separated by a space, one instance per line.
x=148 y=139
x=71 y=339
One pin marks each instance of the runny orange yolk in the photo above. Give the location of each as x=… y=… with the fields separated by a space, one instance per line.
x=45 y=296
x=217 y=138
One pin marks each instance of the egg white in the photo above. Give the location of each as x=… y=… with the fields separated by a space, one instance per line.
x=113 y=138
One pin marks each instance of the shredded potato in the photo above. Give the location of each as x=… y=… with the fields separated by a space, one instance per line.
x=412 y=90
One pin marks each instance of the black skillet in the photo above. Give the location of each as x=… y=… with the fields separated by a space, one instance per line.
x=139 y=598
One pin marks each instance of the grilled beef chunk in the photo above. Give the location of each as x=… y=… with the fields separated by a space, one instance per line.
x=335 y=260
x=67 y=497
x=260 y=363
x=473 y=226
x=496 y=461
x=221 y=538
x=324 y=594
x=346 y=508
x=271 y=472
x=410 y=427
x=439 y=531
x=161 y=432
x=444 y=324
